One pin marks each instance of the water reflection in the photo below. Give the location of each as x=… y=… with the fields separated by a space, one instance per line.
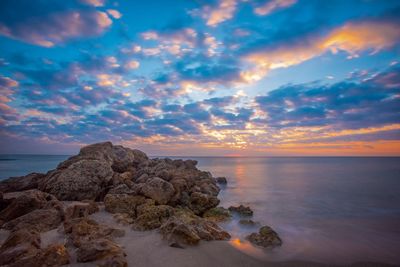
x=336 y=210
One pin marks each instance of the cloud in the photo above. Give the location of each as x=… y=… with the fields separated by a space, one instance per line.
x=273 y=5
x=95 y=3
x=114 y=13
x=222 y=12
x=52 y=24
x=343 y=105
x=352 y=38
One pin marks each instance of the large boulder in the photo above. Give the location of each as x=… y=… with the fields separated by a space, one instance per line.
x=152 y=216
x=53 y=255
x=41 y=220
x=21 y=183
x=266 y=237
x=159 y=190
x=28 y=201
x=187 y=228
x=218 y=214
x=83 y=229
x=200 y=202
x=85 y=179
x=19 y=244
x=89 y=174
x=104 y=250
x=123 y=203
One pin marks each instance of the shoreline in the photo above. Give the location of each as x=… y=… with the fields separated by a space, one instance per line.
x=148 y=249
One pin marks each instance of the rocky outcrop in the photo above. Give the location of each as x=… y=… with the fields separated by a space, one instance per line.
x=266 y=237
x=218 y=214
x=18 y=245
x=187 y=228
x=28 y=201
x=21 y=183
x=94 y=242
x=172 y=195
x=159 y=190
x=88 y=174
x=41 y=220
x=241 y=210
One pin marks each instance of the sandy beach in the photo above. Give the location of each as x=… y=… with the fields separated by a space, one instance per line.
x=147 y=249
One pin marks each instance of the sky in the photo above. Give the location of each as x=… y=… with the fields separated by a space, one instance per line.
x=201 y=78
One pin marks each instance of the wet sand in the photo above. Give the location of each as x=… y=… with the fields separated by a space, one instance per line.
x=147 y=249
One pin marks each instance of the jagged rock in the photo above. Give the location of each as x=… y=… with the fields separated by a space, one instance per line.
x=200 y=202
x=151 y=216
x=19 y=244
x=159 y=190
x=85 y=179
x=218 y=214
x=266 y=237
x=83 y=229
x=88 y=174
x=221 y=180
x=123 y=203
x=241 y=210
x=4 y=202
x=187 y=228
x=81 y=209
x=41 y=220
x=28 y=201
x=21 y=183
x=122 y=189
x=54 y=255
x=104 y=250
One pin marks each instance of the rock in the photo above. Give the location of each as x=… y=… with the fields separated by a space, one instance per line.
x=92 y=206
x=123 y=203
x=103 y=250
x=218 y=214
x=19 y=244
x=21 y=183
x=199 y=202
x=247 y=222
x=266 y=237
x=242 y=210
x=88 y=174
x=159 y=190
x=82 y=209
x=25 y=203
x=85 y=179
x=221 y=180
x=142 y=178
x=53 y=255
x=151 y=216
x=122 y=189
x=4 y=202
x=187 y=228
x=82 y=230
x=41 y=220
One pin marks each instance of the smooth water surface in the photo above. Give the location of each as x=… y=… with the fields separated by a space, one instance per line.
x=329 y=210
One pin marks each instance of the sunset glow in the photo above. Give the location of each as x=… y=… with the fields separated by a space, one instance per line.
x=223 y=77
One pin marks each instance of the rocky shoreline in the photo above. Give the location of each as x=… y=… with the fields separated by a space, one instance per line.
x=172 y=196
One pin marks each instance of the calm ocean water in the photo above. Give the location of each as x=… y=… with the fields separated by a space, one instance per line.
x=332 y=210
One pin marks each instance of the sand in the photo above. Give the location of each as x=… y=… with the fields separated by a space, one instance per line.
x=147 y=249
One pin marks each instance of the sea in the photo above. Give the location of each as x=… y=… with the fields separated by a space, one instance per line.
x=335 y=210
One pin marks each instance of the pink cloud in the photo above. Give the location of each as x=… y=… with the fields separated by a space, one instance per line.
x=58 y=28
x=273 y=5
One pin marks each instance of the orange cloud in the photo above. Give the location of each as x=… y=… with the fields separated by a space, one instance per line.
x=351 y=38
x=224 y=11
